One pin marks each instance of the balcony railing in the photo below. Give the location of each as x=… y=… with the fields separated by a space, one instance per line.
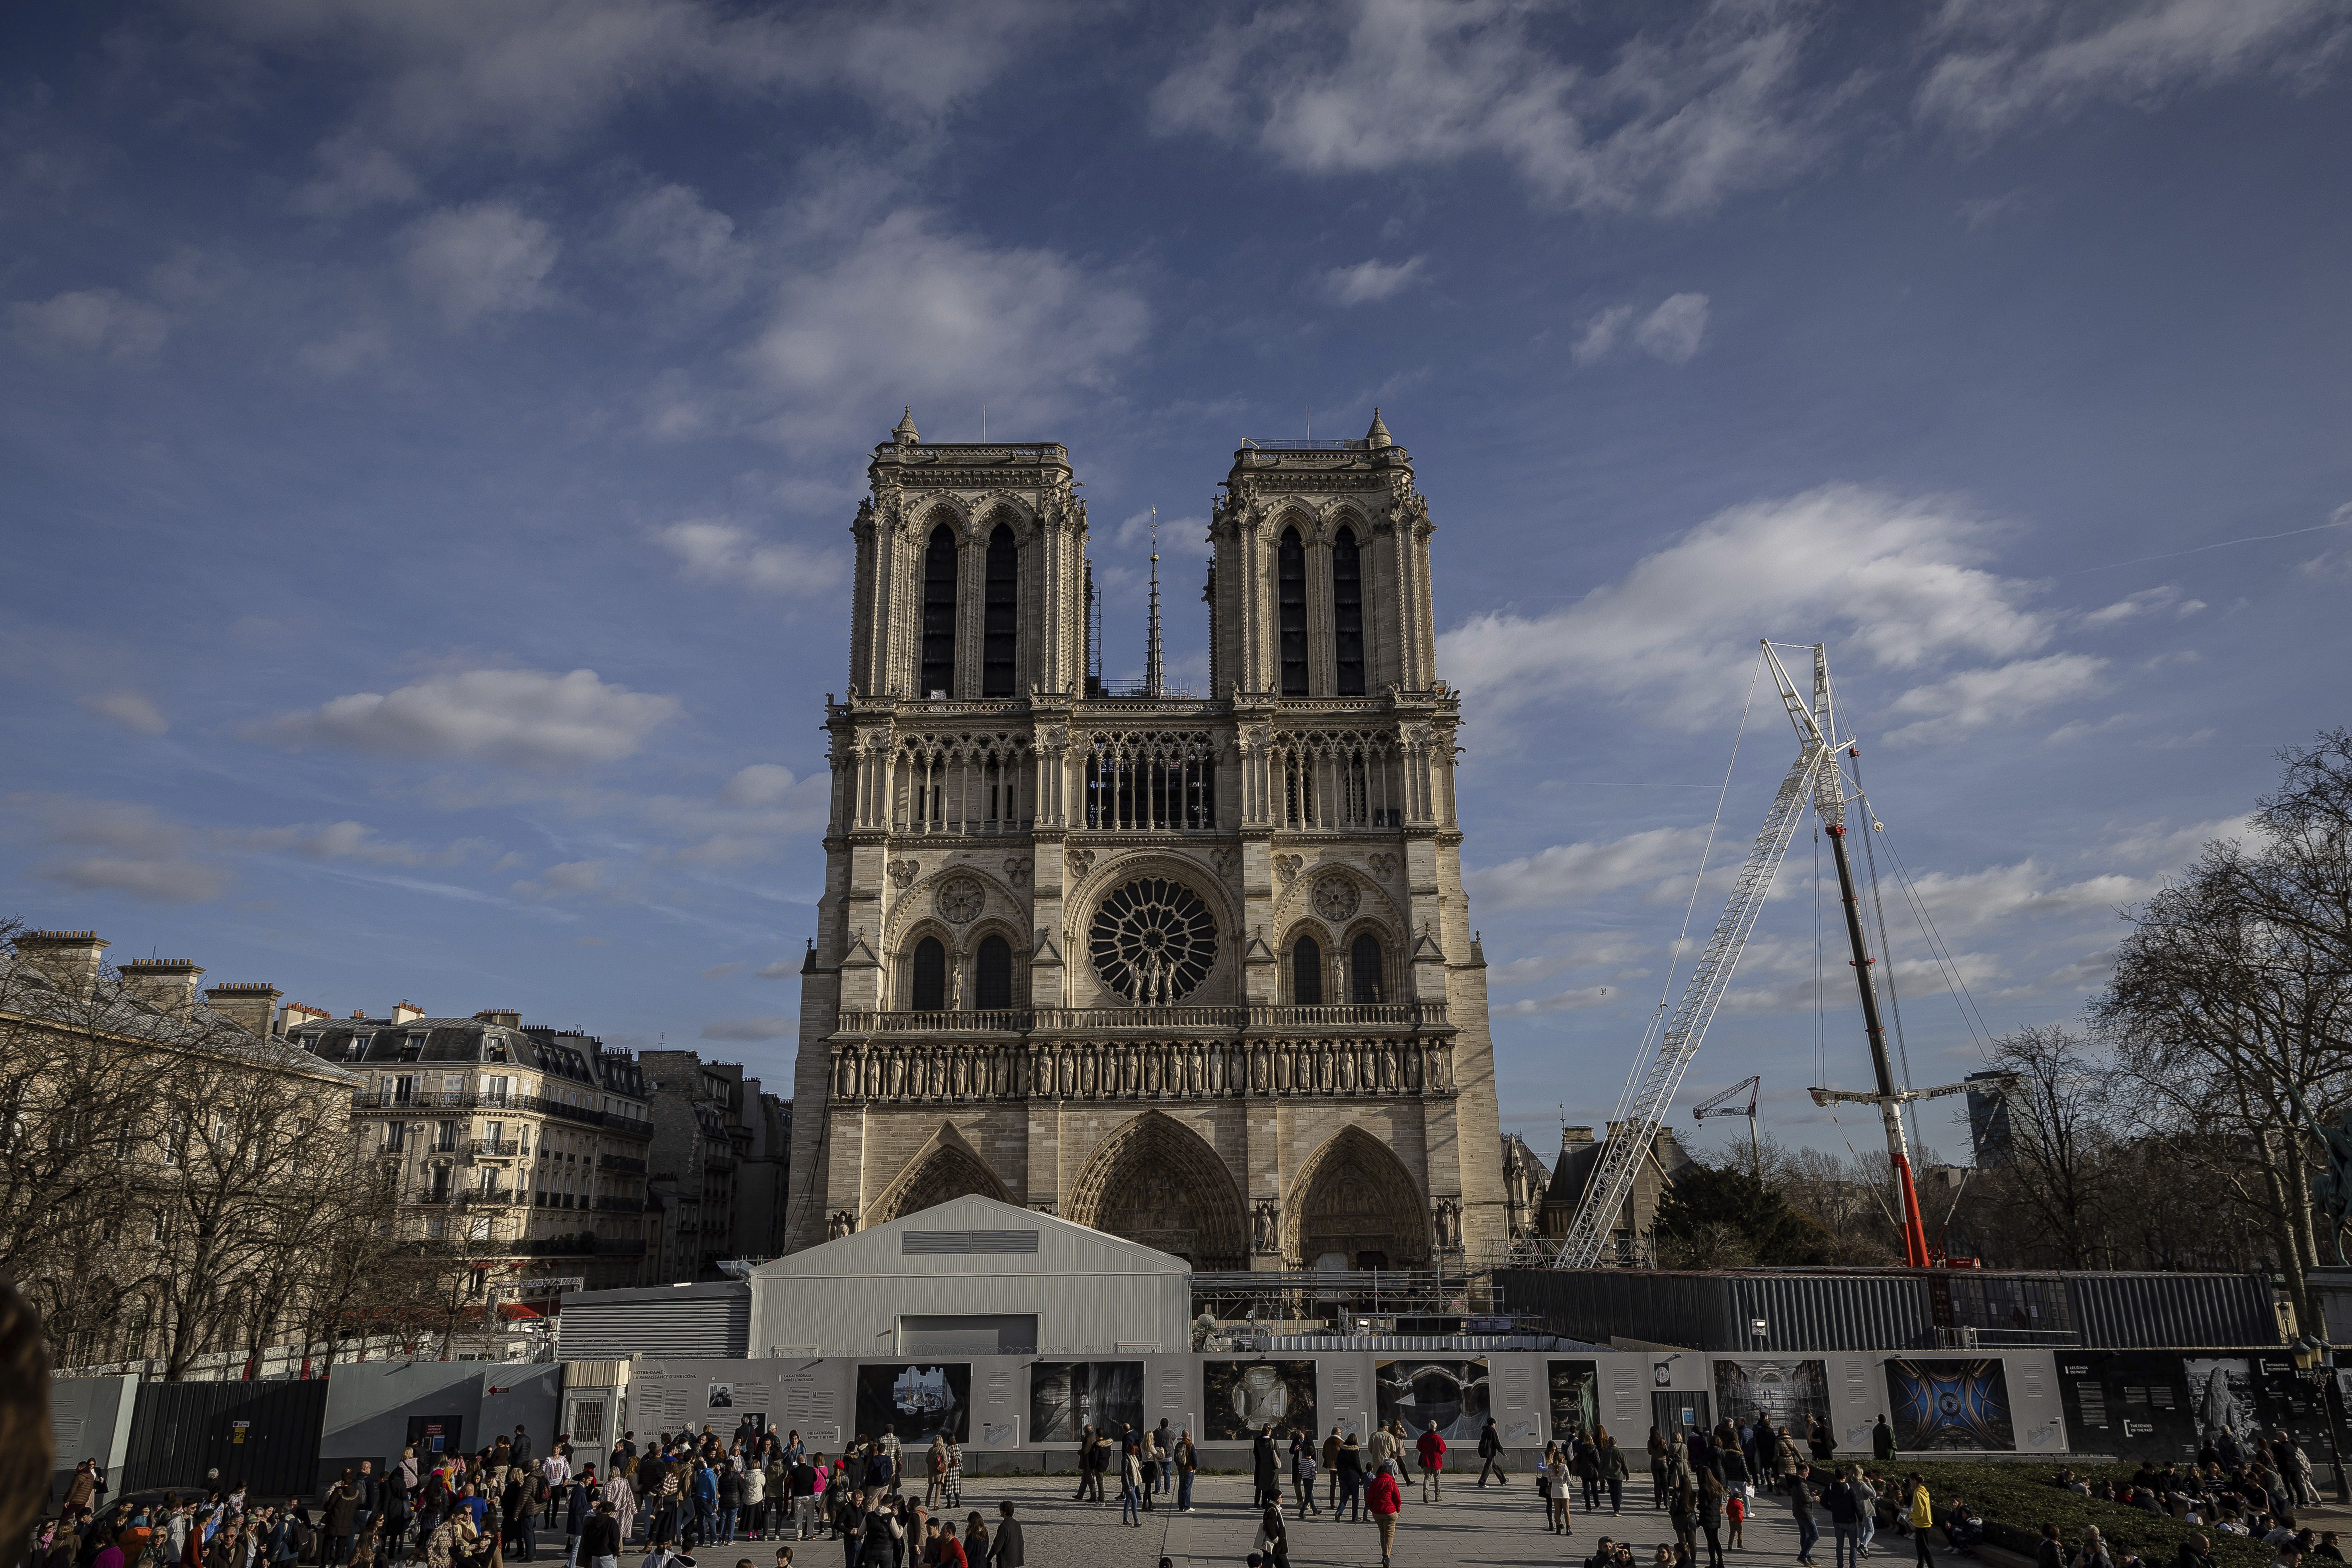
x=1386 y=1016
x=627 y=1163
x=620 y=1206
x=620 y=1247
x=383 y=1102
x=488 y=1198
x=491 y=1148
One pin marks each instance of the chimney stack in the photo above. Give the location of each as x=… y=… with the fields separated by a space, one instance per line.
x=70 y=958
x=501 y=1017
x=169 y=984
x=251 y=1007
x=301 y=1013
x=405 y=1011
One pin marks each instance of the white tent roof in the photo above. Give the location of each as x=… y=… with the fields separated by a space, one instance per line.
x=973 y=1235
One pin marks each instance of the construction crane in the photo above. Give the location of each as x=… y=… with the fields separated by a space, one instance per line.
x=1658 y=1069
x=1728 y=1104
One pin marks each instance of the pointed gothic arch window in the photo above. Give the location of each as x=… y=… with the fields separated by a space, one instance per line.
x=939 y=613
x=1307 y=973
x=1291 y=579
x=1004 y=615
x=1364 y=968
x=931 y=987
x=1348 y=611
x=993 y=973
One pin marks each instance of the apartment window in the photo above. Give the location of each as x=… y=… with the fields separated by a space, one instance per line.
x=395 y=1137
x=440 y=1182
x=412 y=1047
x=495 y=1089
x=494 y=1134
x=403 y=1089
x=444 y=1137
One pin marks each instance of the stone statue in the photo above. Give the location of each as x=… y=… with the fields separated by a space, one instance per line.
x=842 y=1223
x=1262 y=1226
x=1449 y=1225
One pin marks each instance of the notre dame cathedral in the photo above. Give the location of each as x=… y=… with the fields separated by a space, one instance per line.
x=1196 y=971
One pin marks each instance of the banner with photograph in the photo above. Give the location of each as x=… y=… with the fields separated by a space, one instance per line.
x=1575 y=1396
x=917 y=1400
x=1065 y=1397
x=1237 y=1397
x=1453 y=1394
x=2225 y=1401
x=1953 y=1406
x=1784 y=1393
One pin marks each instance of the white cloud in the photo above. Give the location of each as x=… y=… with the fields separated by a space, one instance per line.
x=1571 y=873
x=486 y=259
x=119 y=846
x=2009 y=61
x=1888 y=580
x=534 y=76
x=569 y=880
x=1681 y=117
x=713 y=550
x=2022 y=891
x=2147 y=602
x=693 y=247
x=721 y=971
x=355 y=174
x=129 y=710
x=777 y=1028
x=528 y=717
x=1368 y=282
x=1572 y=1000
x=348 y=841
x=1601 y=334
x=90 y=320
x=1975 y=699
x=761 y=784
x=1672 y=331
x=782 y=969
x=355 y=348
x=903 y=312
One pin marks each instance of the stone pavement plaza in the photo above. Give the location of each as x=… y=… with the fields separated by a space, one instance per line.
x=1499 y=1526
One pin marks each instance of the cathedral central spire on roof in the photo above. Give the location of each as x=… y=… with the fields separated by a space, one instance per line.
x=1151 y=663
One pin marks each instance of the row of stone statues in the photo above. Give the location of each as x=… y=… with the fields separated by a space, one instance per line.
x=1125 y=1068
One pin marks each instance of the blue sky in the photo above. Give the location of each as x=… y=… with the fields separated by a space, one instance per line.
x=431 y=433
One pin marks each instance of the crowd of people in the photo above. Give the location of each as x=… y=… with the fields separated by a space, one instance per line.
x=692 y=1491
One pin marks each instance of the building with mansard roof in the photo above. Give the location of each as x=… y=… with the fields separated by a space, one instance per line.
x=1196 y=971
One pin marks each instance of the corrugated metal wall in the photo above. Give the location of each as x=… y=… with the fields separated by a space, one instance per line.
x=1828 y=1312
x=2133 y=1312
x=691 y=1325
x=1892 y=1310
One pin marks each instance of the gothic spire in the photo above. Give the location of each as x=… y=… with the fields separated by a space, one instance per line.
x=1378 y=436
x=906 y=430
x=1151 y=649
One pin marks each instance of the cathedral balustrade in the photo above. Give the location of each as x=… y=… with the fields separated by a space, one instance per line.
x=1377 y=1015
x=886 y=1072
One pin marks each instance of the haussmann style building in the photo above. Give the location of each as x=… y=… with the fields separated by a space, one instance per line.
x=1195 y=971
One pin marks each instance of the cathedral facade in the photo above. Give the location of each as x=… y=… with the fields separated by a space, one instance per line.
x=1196 y=971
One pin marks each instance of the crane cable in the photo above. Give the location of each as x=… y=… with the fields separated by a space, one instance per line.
x=1658 y=1017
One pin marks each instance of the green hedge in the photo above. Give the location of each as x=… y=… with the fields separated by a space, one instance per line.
x=2017 y=1499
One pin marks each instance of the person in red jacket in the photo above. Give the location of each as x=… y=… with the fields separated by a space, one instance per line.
x=1431 y=1448
x=1386 y=1498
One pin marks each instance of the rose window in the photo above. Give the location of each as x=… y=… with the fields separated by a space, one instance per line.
x=1153 y=942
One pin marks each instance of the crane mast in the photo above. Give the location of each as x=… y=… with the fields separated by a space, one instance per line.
x=1829 y=805
x=1645 y=1110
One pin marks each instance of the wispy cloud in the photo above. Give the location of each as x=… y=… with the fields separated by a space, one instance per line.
x=525 y=716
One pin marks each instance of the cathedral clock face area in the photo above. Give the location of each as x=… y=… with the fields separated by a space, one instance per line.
x=1153 y=942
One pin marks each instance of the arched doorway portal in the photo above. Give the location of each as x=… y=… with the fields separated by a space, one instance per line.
x=946 y=1167
x=1354 y=1205
x=1154 y=1180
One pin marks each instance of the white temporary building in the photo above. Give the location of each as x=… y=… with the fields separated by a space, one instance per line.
x=972 y=1277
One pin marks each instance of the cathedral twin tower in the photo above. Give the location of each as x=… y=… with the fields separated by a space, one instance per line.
x=1195 y=972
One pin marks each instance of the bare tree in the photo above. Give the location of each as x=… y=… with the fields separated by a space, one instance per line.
x=2233 y=1024
x=2059 y=1163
